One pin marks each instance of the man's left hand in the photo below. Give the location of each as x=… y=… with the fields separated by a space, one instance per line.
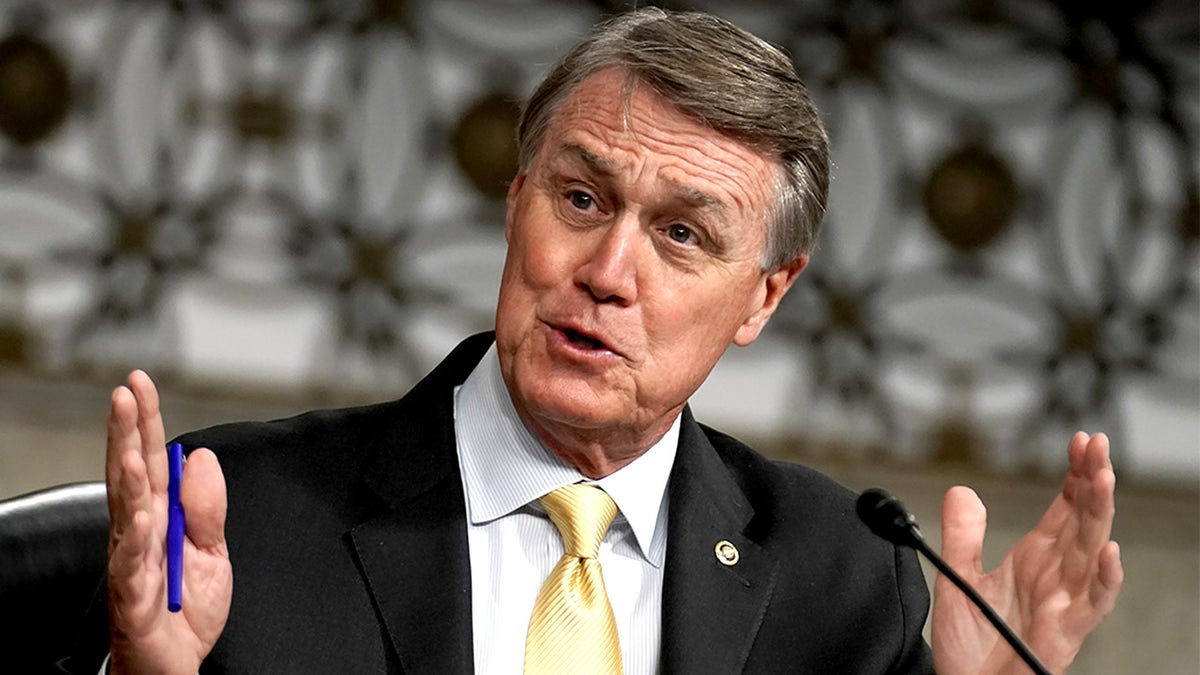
x=1053 y=588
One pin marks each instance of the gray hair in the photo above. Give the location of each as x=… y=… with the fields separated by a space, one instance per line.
x=726 y=78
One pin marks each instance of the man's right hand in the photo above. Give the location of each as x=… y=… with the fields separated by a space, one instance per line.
x=145 y=637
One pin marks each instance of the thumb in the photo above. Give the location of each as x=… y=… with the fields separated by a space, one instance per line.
x=964 y=522
x=203 y=497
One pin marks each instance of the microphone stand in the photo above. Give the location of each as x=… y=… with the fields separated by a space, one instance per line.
x=875 y=508
x=1013 y=639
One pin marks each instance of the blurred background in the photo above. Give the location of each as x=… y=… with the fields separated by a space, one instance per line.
x=273 y=205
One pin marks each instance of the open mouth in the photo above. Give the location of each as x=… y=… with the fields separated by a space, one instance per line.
x=580 y=340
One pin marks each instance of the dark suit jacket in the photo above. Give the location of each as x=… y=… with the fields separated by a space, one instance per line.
x=348 y=541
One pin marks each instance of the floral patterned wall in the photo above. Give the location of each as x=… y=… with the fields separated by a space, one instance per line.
x=283 y=196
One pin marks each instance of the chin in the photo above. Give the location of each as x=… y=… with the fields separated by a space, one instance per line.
x=574 y=404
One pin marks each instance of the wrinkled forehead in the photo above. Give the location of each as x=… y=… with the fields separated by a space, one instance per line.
x=629 y=105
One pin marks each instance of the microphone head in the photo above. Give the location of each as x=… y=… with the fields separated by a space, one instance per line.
x=887 y=517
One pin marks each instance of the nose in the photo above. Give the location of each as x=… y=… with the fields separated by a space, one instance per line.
x=610 y=272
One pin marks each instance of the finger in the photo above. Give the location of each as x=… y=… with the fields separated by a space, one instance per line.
x=1088 y=460
x=1099 y=465
x=1097 y=452
x=122 y=437
x=128 y=493
x=1088 y=455
x=131 y=549
x=1076 y=464
x=132 y=494
x=1095 y=496
x=150 y=429
x=203 y=498
x=964 y=523
x=133 y=586
x=1109 y=577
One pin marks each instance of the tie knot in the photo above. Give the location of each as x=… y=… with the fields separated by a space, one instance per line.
x=582 y=514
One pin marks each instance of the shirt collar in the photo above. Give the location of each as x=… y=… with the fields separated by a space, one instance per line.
x=505 y=467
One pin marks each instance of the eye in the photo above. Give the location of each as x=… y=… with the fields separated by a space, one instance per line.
x=581 y=200
x=681 y=233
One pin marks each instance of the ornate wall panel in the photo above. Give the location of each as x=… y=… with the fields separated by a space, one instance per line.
x=284 y=196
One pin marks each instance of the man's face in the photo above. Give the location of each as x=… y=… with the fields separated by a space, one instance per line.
x=635 y=248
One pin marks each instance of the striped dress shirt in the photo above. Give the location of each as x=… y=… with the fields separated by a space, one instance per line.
x=513 y=545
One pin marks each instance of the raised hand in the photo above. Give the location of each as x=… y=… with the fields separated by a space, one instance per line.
x=145 y=637
x=1054 y=587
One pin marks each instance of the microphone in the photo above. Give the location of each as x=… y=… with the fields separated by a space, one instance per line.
x=889 y=519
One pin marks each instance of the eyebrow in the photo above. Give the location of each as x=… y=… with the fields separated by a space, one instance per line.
x=688 y=194
x=697 y=198
x=592 y=160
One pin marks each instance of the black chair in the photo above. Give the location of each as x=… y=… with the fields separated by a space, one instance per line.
x=53 y=551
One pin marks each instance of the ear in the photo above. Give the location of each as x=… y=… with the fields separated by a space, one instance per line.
x=510 y=200
x=774 y=286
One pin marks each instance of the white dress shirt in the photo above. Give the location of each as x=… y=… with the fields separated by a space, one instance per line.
x=513 y=545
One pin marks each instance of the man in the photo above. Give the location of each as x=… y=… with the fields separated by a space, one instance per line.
x=673 y=174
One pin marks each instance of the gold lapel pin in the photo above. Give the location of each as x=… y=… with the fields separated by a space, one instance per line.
x=727 y=553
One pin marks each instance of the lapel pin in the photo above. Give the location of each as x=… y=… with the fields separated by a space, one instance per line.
x=727 y=553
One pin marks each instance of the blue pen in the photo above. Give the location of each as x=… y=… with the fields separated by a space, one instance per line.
x=175 y=528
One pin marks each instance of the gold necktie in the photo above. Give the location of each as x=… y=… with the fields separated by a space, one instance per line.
x=572 y=629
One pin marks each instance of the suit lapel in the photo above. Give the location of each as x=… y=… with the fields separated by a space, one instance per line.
x=416 y=566
x=414 y=557
x=711 y=610
x=413 y=554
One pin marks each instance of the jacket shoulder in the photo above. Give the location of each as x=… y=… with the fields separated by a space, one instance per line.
x=774 y=484
x=329 y=442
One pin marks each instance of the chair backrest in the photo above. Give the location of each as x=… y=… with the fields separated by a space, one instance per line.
x=53 y=552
